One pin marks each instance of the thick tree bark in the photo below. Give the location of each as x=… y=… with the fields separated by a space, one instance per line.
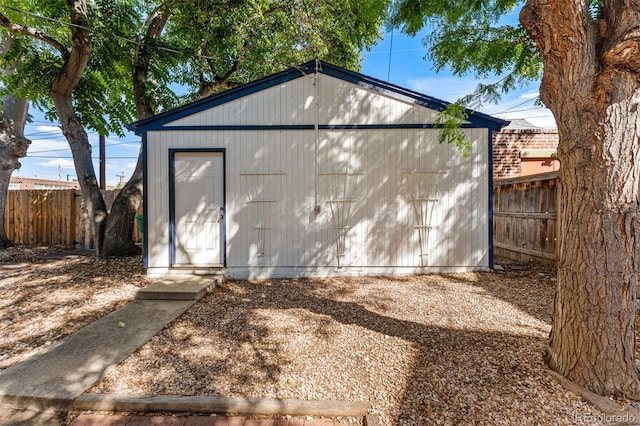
x=13 y=144
x=75 y=62
x=121 y=220
x=591 y=84
x=118 y=232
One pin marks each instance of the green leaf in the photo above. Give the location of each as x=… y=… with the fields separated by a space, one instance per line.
x=448 y=121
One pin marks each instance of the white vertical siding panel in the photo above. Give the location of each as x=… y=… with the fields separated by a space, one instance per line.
x=236 y=200
x=157 y=223
x=407 y=252
x=382 y=222
x=283 y=104
x=382 y=219
x=482 y=173
x=303 y=171
x=375 y=108
x=166 y=141
x=154 y=198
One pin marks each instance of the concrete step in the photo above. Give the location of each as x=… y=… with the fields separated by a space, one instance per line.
x=179 y=287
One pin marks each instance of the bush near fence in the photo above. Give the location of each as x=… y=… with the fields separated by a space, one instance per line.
x=52 y=217
x=525 y=226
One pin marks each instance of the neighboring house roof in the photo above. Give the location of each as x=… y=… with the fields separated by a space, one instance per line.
x=521 y=123
x=475 y=119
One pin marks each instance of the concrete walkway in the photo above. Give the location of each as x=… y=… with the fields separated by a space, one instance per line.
x=40 y=389
x=56 y=376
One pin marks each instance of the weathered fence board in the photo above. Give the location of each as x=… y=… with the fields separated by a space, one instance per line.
x=52 y=217
x=525 y=218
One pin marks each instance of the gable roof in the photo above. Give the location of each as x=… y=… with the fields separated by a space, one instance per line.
x=476 y=119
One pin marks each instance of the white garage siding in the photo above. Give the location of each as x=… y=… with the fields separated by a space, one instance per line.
x=359 y=157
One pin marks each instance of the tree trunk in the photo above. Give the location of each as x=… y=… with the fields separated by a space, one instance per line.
x=121 y=219
x=13 y=144
x=592 y=93
x=593 y=337
x=118 y=233
x=75 y=62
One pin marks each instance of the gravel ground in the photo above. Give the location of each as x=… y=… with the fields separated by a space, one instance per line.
x=47 y=293
x=437 y=349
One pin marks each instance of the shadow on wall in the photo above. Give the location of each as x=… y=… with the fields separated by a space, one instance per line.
x=366 y=197
x=357 y=198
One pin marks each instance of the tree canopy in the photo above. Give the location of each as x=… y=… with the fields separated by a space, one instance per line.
x=101 y=64
x=472 y=38
x=205 y=46
x=103 y=98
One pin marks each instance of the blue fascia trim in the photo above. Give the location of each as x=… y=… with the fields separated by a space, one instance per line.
x=311 y=127
x=477 y=119
x=385 y=126
x=172 y=200
x=156 y=122
x=490 y=183
x=145 y=205
x=172 y=205
x=242 y=127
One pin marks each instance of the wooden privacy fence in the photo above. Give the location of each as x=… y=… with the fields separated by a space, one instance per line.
x=525 y=218
x=52 y=217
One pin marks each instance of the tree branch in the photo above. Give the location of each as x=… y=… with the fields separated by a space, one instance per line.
x=624 y=55
x=566 y=38
x=33 y=32
x=78 y=58
x=142 y=60
x=621 y=35
x=208 y=87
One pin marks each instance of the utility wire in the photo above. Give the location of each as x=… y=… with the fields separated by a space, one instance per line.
x=71 y=158
x=390 y=48
x=116 y=36
x=128 y=40
x=69 y=149
x=516 y=106
x=386 y=52
x=521 y=110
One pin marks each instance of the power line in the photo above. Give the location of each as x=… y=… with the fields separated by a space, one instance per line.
x=69 y=149
x=390 y=47
x=386 y=52
x=521 y=110
x=45 y=132
x=71 y=158
x=516 y=106
x=136 y=42
x=116 y=36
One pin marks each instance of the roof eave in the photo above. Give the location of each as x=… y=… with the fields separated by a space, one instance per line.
x=476 y=118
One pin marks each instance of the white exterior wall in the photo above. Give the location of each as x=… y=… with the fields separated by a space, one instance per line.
x=381 y=238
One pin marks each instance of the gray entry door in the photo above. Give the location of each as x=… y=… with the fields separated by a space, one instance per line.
x=199 y=208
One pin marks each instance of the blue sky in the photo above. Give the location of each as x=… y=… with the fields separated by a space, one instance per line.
x=49 y=157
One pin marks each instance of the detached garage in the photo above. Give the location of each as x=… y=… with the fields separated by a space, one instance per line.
x=314 y=171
